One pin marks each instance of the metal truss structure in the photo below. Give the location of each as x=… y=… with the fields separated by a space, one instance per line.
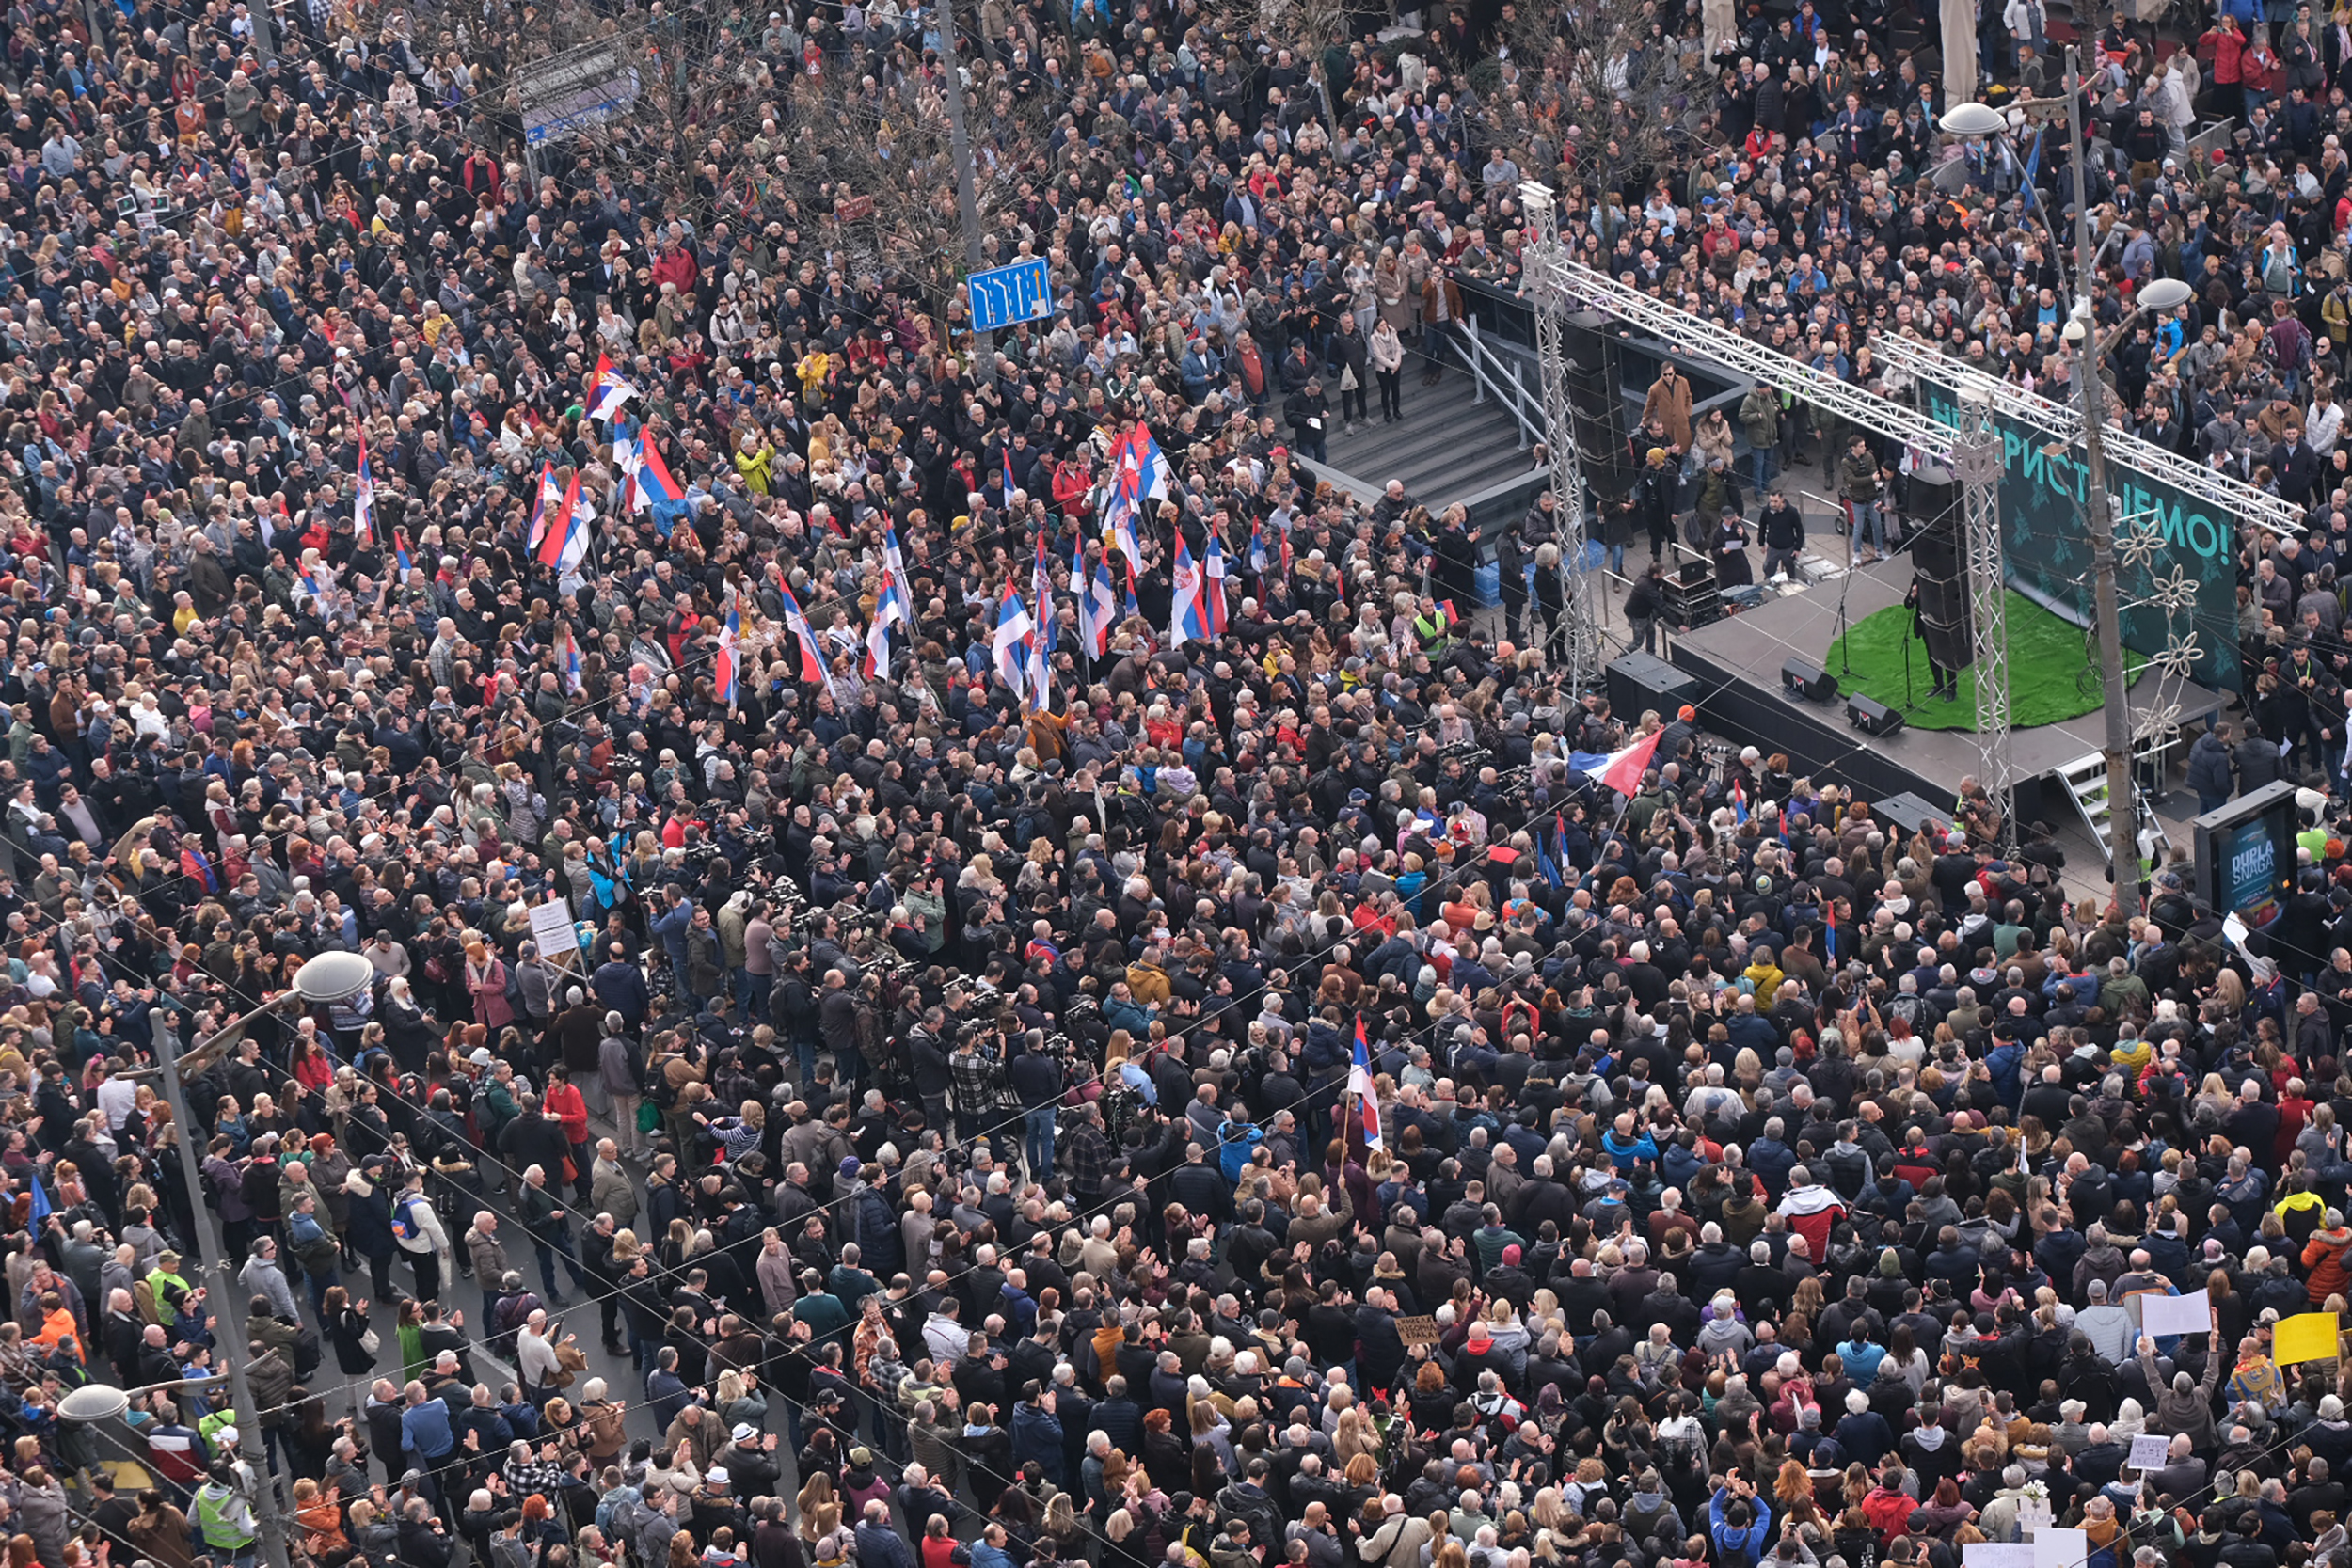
x=1558 y=285
x=2227 y=497
x=1579 y=633
x=1976 y=464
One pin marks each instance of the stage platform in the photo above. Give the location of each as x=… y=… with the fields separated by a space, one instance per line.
x=1738 y=661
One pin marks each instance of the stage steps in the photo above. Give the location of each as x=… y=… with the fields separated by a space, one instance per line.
x=2085 y=780
x=1448 y=450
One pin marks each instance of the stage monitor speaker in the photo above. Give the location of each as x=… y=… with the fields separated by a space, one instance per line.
x=1870 y=716
x=1807 y=681
x=1939 y=563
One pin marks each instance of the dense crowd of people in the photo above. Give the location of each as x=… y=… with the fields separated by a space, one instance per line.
x=1099 y=1010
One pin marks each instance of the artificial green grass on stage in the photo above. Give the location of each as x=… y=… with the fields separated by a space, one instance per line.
x=2051 y=676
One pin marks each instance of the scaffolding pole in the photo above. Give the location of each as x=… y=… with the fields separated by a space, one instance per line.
x=1976 y=464
x=1578 y=636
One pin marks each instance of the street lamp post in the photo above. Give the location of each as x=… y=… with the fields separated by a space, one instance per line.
x=329 y=978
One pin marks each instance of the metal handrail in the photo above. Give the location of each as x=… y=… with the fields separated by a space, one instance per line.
x=1491 y=373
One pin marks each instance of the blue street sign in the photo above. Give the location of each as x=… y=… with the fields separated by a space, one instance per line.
x=1003 y=295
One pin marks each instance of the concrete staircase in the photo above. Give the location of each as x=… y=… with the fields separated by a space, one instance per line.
x=1448 y=449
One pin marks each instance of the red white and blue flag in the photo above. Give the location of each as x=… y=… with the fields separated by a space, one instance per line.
x=1119 y=513
x=895 y=580
x=811 y=661
x=607 y=391
x=1213 y=590
x=1360 y=1085
x=573 y=682
x=363 y=497
x=651 y=486
x=1157 y=472
x=542 y=505
x=1098 y=608
x=400 y=553
x=1739 y=802
x=889 y=606
x=1010 y=643
x=567 y=542
x=1186 y=623
x=723 y=673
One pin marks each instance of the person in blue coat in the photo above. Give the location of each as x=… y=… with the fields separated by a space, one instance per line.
x=1741 y=1523
x=1037 y=1432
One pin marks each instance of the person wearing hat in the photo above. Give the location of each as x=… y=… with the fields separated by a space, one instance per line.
x=1657 y=496
x=1308 y=414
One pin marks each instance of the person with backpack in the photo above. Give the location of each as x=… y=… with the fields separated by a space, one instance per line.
x=417 y=1230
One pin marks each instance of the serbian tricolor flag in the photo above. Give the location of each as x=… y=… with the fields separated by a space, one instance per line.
x=1119 y=513
x=1184 y=621
x=628 y=459
x=1622 y=770
x=363 y=497
x=889 y=606
x=548 y=495
x=1213 y=589
x=607 y=391
x=812 y=662
x=1011 y=641
x=1098 y=608
x=1360 y=1084
x=1151 y=462
x=723 y=672
x=1257 y=558
x=895 y=580
x=400 y=553
x=573 y=682
x=1739 y=802
x=1004 y=458
x=657 y=489
x=567 y=538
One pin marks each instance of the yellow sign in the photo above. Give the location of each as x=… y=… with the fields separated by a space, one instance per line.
x=2306 y=1336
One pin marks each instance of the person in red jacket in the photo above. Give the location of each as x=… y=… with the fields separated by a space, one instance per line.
x=2222 y=51
x=564 y=1102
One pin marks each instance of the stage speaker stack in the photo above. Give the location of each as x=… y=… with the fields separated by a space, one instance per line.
x=1639 y=681
x=1939 y=565
x=1596 y=405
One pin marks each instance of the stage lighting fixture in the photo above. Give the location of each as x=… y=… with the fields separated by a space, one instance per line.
x=1871 y=717
x=1806 y=682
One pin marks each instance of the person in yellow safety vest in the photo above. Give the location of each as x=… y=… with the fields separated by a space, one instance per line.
x=225 y=1517
x=165 y=1288
x=1432 y=628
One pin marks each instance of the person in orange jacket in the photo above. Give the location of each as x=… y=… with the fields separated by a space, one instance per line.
x=2324 y=1259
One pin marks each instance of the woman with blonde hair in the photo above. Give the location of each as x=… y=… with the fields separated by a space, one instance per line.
x=818 y=1510
x=1353 y=1435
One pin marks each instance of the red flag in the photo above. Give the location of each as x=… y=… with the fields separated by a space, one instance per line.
x=1626 y=767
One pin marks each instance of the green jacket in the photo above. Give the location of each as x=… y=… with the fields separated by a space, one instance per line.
x=225 y=1517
